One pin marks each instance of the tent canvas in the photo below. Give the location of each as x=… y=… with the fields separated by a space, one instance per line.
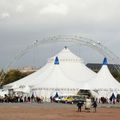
x=104 y=82
x=69 y=75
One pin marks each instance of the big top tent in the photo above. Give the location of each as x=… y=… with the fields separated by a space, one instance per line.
x=64 y=72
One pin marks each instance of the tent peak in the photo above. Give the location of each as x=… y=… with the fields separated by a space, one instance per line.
x=56 y=62
x=105 y=61
x=66 y=47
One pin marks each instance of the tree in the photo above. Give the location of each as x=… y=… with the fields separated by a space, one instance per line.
x=2 y=74
x=12 y=75
x=116 y=75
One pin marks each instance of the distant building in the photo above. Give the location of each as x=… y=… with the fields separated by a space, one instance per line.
x=28 y=69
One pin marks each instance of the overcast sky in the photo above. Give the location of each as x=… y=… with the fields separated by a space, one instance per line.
x=23 y=21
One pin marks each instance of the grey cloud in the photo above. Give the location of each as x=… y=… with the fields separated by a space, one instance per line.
x=23 y=23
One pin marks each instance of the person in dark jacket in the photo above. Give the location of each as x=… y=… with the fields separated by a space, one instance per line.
x=79 y=105
x=94 y=104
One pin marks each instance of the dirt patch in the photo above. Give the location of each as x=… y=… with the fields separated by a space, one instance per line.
x=55 y=113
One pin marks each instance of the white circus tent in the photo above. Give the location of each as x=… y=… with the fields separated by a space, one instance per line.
x=104 y=82
x=65 y=72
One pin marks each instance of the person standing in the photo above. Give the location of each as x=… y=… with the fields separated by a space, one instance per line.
x=79 y=105
x=94 y=104
x=88 y=104
x=51 y=99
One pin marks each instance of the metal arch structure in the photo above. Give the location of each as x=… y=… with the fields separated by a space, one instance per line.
x=76 y=39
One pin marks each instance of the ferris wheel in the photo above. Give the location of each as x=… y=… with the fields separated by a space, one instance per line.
x=75 y=39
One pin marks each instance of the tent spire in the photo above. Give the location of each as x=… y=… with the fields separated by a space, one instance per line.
x=105 y=61
x=65 y=47
x=56 y=62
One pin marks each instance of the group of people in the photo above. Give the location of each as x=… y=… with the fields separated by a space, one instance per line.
x=88 y=104
x=20 y=99
x=111 y=100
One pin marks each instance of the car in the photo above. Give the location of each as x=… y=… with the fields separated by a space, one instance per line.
x=78 y=99
x=73 y=99
x=66 y=99
x=59 y=99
